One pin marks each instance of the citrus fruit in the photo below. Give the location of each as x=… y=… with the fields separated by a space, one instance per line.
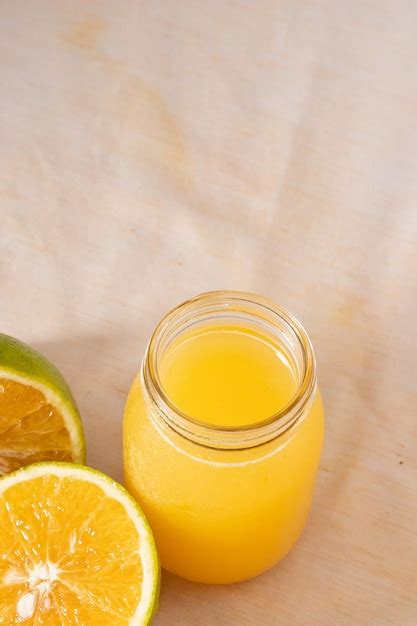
x=75 y=550
x=39 y=419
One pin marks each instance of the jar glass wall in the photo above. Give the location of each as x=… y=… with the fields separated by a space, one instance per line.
x=226 y=501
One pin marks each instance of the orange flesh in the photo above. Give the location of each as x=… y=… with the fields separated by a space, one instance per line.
x=69 y=555
x=31 y=429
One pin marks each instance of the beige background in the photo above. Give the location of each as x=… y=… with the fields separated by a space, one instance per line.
x=153 y=150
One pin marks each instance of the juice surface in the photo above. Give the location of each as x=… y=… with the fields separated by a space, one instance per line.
x=222 y=516
x=227 y=376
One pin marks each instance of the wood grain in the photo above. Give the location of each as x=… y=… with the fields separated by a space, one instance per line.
x=153 y=150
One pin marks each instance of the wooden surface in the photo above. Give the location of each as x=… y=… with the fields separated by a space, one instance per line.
x=153 y=150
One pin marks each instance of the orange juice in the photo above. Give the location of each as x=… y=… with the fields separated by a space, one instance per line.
x=227 y=375
x=222 y=436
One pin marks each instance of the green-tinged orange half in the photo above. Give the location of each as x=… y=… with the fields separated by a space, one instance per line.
x=75 y=550
x=39 y=419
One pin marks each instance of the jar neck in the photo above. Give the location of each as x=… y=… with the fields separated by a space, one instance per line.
x=250 y=311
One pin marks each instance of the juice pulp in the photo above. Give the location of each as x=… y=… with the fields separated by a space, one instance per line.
x=221 y=516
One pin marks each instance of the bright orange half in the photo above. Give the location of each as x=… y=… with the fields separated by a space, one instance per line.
x=75 y=550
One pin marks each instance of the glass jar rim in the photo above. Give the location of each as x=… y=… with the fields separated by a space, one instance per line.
x=230 y=437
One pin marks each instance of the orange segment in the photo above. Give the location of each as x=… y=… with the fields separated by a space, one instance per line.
x=31 y=429
x=17 y=400
x=75 y=550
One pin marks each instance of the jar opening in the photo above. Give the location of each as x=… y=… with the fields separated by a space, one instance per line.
x=248 y=311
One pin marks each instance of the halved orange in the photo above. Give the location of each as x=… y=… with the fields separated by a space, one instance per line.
x=75 y=550
x=39 y=419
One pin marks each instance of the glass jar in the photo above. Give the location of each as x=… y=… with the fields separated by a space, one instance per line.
x=225 y=503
